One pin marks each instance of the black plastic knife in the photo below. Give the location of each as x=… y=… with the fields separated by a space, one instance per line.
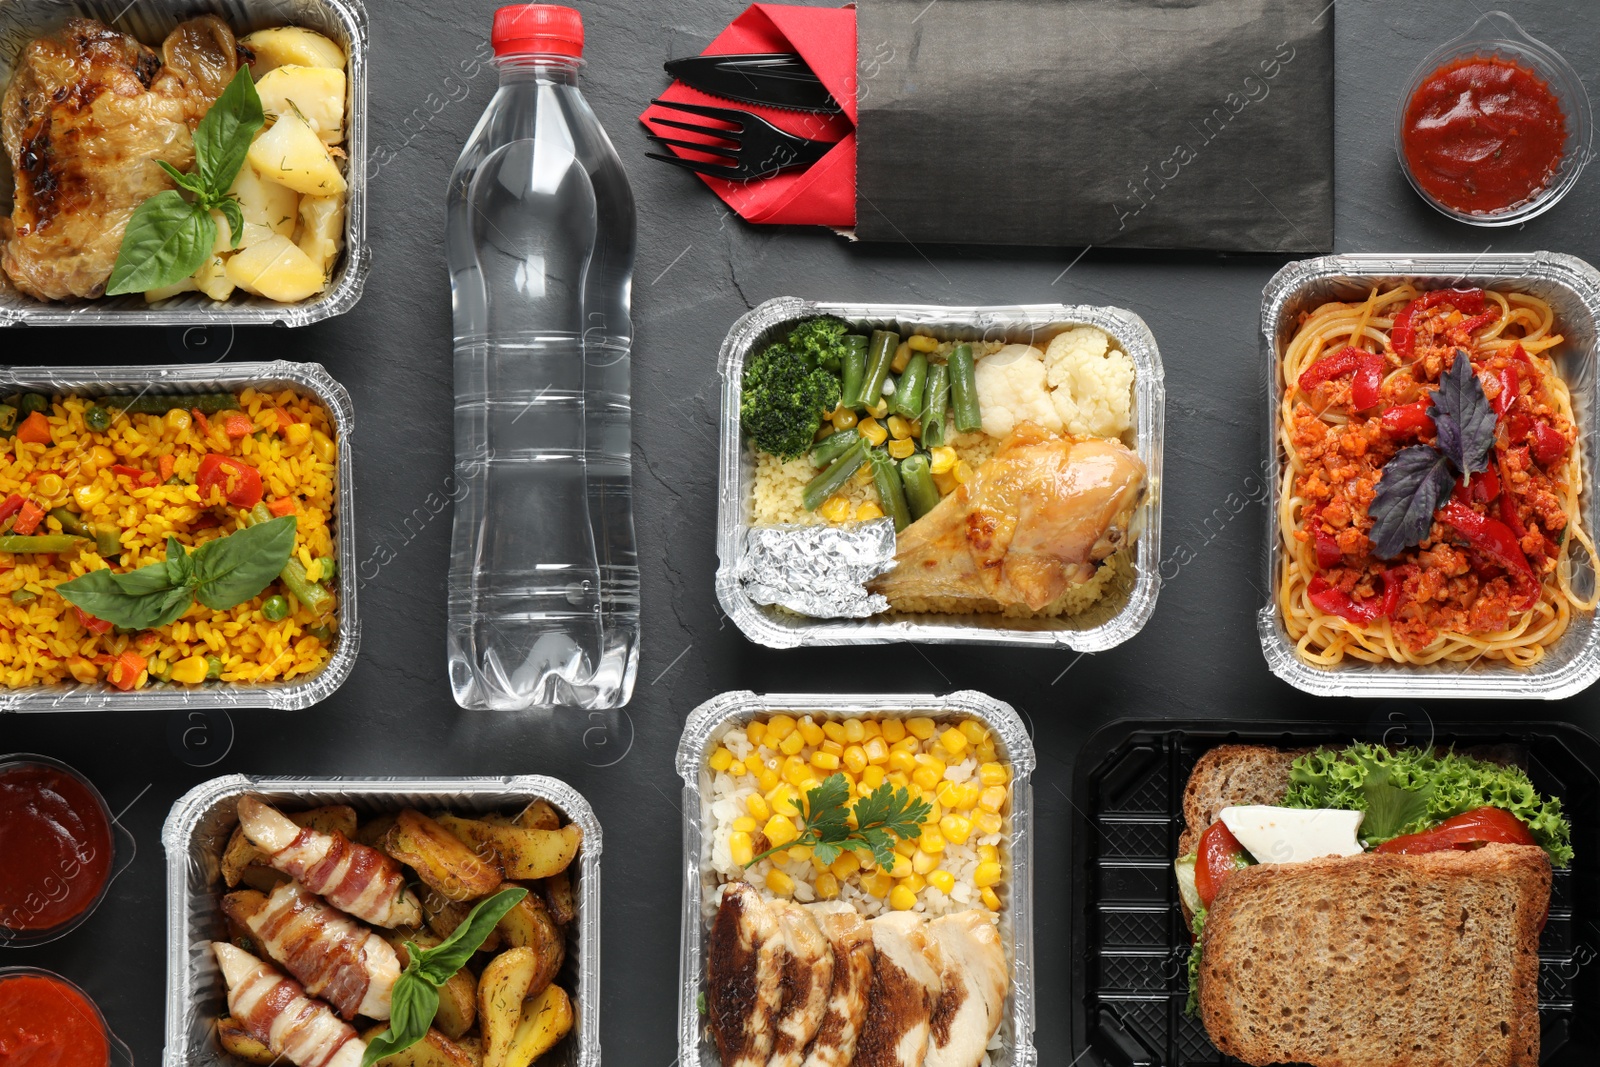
x=777 y=80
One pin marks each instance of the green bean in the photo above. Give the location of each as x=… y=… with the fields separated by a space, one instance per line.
x=909 y=390
x=855 y=370
x=23 y=596
x=831 y=448
x=891 y=494
x=313 y=596
x=832 y=480
x=879 y=355
x=857 y=340
x=152 y=404
x=213 y=667
x=964 y=390
x=936 y=398
x=39 y=543
x=921 y=494
x=108 y=541
x=71 y=522
x=8 y=418
x=32 y=402
x=330 y=567
x=97 y=419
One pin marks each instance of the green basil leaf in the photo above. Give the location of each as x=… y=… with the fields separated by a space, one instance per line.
x=138 y=600
x=167 y=240
x=229 y=206
x=222 y=140
x=180 y=568
x=412 y=1005
x=190 y=182
x=235 y=568
x=437 y=964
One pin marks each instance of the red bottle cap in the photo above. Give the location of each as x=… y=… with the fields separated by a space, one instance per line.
x=537 y=29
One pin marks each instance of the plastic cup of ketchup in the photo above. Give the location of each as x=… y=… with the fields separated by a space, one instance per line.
x=60 y=847
x=1494 y=126
x=46 y=1021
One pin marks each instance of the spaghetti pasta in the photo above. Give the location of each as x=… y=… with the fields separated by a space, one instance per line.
x=1459 y=595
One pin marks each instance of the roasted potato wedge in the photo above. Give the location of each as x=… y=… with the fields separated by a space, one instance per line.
x=546 y=1019
x=440 y=858
x=522 y=853
x=237 y=907
x=443 y=916
x=559 y=898
x=458 y=998
x=372 y=832
x=235 y=1041
x=261 y=878
x=473 y=1047
x=434 y=1050
x=529 y=925
x=501 y=991
x=241 y=854
x=538 y=816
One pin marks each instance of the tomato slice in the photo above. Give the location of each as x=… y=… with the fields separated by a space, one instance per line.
x=239 y=483
x=1220 y=854
x=1472 y=829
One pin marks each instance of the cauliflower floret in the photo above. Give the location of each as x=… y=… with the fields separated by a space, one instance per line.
x=1011 y=389
x=1092 y=383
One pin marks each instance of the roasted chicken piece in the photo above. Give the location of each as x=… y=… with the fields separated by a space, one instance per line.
x=1033 y=521
x=276 y=1012
x=973 y=994
x=807 y=981
x=87 y=116
x=352 y=877
x=745 y=958
x=333 y=956
x=853 y=953
x=905 y=990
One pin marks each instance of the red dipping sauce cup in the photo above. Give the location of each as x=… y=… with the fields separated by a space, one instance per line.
x=47 y=1021
x=60 y=847
x=1466 y=169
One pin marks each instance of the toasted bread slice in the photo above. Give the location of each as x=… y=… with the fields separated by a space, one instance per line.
x=1379 y=960
x=1232 y=774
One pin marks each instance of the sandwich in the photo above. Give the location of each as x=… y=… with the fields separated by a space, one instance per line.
x=1369 y=906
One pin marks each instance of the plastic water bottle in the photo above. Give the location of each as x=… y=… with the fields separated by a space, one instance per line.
x=540 y=231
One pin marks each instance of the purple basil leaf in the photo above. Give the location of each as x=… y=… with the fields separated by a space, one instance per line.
x=1413 y=485
x=1463 y=417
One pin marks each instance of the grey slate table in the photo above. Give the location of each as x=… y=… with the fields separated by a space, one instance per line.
x=698 y=270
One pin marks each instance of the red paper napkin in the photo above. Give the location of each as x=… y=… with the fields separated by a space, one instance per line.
x=823 y=194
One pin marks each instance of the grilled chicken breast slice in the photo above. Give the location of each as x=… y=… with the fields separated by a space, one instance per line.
x=332 y=955
x=807 y=982
x=851 y=938
x=276 y=1012
x=745 y=958
x=973 y=984
x=904 y=992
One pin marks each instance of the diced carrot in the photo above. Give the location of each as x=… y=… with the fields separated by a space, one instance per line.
x=11 y=505
x=284 y=505
x=237 y=424
x=165 y=464
x=90 y=623
x=200 y=418
x=35 y=429
x=128 y=670
x=286 y=419
x=29 y=518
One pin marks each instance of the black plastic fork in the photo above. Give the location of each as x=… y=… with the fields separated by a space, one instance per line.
x=756 y=147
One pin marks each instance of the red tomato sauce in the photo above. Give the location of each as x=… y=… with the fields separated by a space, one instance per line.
x=1483 y=134
x=56 y=841
x=47 y=1023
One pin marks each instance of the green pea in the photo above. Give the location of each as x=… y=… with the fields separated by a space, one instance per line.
x=213 y=667
x=321 y=633
x=24 y=596
x=97 y=419
x=275 y=609
x=32 y=402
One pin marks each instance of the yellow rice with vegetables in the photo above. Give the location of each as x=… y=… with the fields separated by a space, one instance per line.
x=762 y=772
x=133 y=484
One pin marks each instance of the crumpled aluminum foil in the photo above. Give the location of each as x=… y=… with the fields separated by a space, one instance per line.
x=818 y=571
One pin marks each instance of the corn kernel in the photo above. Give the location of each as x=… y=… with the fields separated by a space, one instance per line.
x=935 y=812
x=915 y=883
x=893 y=730
x=974 y=731
x=920 y=726
x=864 y=475
x=800 y=854
x=988 y=853
x=931 y=841
x=877 y=883
x=993 y=774
x=986 y=752
x=784 y=800
x=780 y=883
x=834 y=731
x=993 y=798
x=868 y=511
x=902 y=449
x=843 y=419
x=904 y=848
x=780 y=831
x=963 y=472
x=902 y=357
x=808 y=783
x=870 y=728
x=921 y=342
x=943 y=881
x=83 y=670
x=902 y=866
x=855 y=759
x=296 y=433
x=827 y=886
x=901 y=898
x=954 y=742
x=49 y=486
x=906 y=744
x=987 y=874
x=969 y=796
x=102 y=456
x=745 y=824
x=923 y=862
x=956 y=829
x=322 y=447
x=897 y=779
x=791 y=744
x=932 y=762
x=794 y=770
x=754 y=731
x=949 y=794
x=943 y=460
x=736 y=768
x=779 y=727
x=817 y=864
x=825 y=761
x=877 y=751
x=872 y=430
x=926 y=777
x=902 y=761
x=945 y=482
x=845 y=864
x=811 y=732
x=720 y=759
x=190 y=671
x=872 y=777
x=899 y=427
x=990 y=898
x=767 y=779
x=916 y=428
x=178 y=420
x=987 y=822
x=832 y=747
x=740 y=845
x=87 y=496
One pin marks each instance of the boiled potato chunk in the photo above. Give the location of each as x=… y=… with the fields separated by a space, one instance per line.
x=291 y=46
x=292 y=155
x=277 y=270
x=212 y=278
x=264 y=204
x=501 y=990
x=434 y=1050
x=236 y=1041
x=545 y=1021
x=439 y=859
x=322 y=229
x=167 y=292
x=316 y=94
x=253 y=234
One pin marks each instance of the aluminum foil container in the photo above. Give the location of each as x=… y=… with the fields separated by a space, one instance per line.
x=310 y=379
x=1120 y=614
x=709 y=720
x=1573 y=289
x=344 y=21
x=197 y=830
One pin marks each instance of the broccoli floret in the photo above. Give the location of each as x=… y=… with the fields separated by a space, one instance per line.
x=784 y=399
x=821 y=340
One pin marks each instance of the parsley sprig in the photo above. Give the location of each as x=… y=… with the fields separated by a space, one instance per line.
x=888 y=813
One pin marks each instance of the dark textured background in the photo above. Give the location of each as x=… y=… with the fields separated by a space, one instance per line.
x=698 y=270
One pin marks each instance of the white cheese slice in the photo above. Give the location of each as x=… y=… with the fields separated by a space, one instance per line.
x=1293 y=835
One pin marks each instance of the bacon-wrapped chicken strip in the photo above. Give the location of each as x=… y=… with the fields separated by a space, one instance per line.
x=332 y=955
x=350 y=876
x=276 y=1012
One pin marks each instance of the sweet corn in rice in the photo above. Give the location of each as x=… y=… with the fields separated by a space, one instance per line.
x=44 y=640
x=761 y=773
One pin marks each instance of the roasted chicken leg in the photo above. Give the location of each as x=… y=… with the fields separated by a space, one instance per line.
x=1033 y=521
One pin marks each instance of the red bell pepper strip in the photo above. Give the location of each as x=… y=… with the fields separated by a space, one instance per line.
x=1328 y=551
x=1508 y=504
x=1496 y=540
x=1410 y=418
x=1549 y=447
x=1509 y=380
x=239 y=483
x=1337 y=602
x=29 y=516
x=10 y=506
x=133 y=474
x=90 y=623
x=1482 y=488
x=1466 y=327
x=1402 y=335
x=201 y=420
x=1367 y=367
x=1393 y=584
